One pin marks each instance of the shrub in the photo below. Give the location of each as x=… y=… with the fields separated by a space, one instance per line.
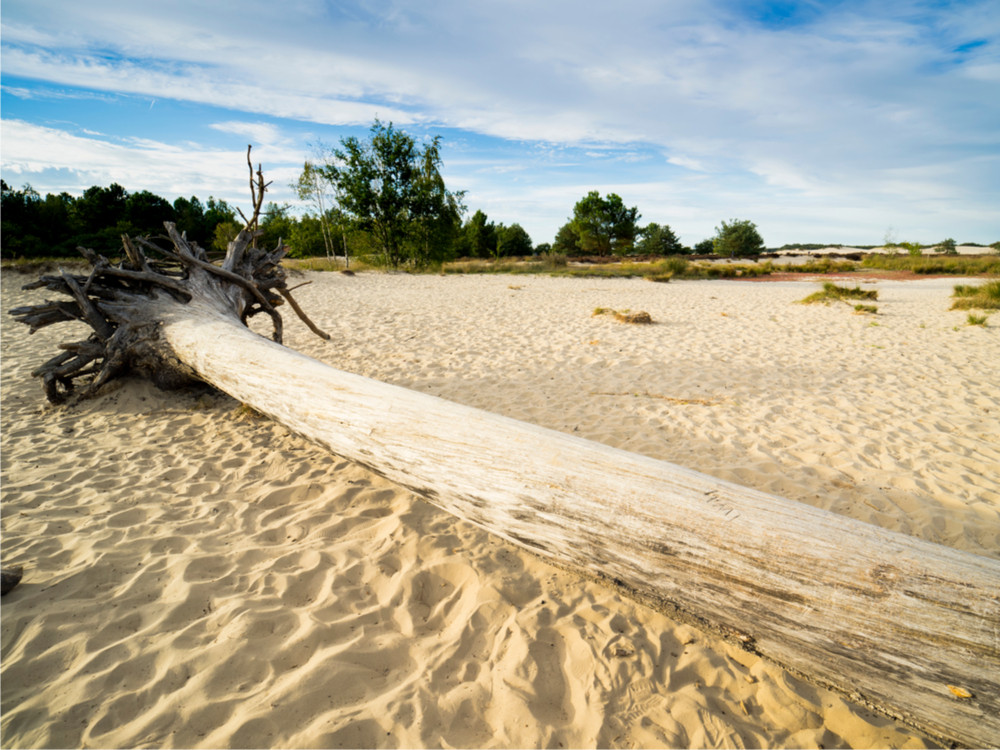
x=863 y=309
x=976 y=320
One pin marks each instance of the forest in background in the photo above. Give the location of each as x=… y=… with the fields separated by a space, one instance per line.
x=382 y=200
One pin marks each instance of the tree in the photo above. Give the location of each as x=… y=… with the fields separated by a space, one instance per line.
x=659 y=240
x=605 y=225
x=948 y=247
x=567 y=241
x=100 y=217
x=513 y=241
x=225 y=232
x=395 y=191
x=276 y=225
x=307 y=238
x=101 y=209
x=311 y=186
x=737 y=238
x=479 y=237
x=705 y=247
x=146 y=212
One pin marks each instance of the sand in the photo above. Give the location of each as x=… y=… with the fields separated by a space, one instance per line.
x=199 y=577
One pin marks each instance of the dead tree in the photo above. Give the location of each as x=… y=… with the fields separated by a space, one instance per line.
x=909 y=627
x=122 y=302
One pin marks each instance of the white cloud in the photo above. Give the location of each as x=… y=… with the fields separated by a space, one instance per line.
x=831 y=107
x=259 y=133
x=169 y=170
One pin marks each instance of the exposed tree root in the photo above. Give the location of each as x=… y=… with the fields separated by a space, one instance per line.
x=115 y=300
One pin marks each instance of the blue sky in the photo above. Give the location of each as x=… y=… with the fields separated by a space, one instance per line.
x=842 y=122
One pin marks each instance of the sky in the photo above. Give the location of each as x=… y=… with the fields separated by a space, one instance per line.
x=846 y=122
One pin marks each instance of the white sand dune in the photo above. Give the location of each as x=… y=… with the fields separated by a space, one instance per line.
x=198 y=577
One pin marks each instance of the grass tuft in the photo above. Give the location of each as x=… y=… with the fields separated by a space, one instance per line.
x=976 y=320
x=982 y=297
x=865 y=309
x=833 y=293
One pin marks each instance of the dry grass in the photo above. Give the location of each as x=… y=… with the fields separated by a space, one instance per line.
x=983 y=297
x=625 y=316
x=833 y=293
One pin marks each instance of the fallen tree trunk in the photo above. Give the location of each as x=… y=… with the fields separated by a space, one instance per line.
x=909 y=627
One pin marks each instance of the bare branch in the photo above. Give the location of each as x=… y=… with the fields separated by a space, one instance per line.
x=302 y=316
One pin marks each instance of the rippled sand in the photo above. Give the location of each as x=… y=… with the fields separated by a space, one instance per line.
x=199 y=577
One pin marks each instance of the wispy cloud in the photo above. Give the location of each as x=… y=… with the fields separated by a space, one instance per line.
x=797 y=102
x=137 y=164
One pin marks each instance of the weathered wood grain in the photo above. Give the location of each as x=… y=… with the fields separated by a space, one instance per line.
x=902 y=624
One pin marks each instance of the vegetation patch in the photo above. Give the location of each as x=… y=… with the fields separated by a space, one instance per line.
x=865 y=309
x=976 y=320
x=833 y=293
x=982 y=297
x=946 y=265
x=823 y=265
x=625 y=316
x=661 y=277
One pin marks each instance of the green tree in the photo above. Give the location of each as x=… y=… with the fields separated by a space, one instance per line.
x=395 y=191
x=20 y=222
x=478 y=238
x=307 y=238
x=737 y=238
x=705 y=247
x=567 y=241
x=312 y=187
x=217 y=212
x=513 y=241
x=948 y=247
x=275 y=225
x=659 y=240
x=224 y=233
x=100 y=218
x=99 y=209
x=189 y=215
x=146 y=212
x=605 y=225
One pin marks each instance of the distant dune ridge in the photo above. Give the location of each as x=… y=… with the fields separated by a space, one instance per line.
x=196 y=576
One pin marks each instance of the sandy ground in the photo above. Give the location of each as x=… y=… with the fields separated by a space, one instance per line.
x=198 y=577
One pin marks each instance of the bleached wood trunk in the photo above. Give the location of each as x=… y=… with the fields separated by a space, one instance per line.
x=907 y=626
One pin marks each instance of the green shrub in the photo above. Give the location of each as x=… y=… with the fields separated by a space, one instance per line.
x=976 y=320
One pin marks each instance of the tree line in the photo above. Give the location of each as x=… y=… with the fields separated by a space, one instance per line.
x=382 y=198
